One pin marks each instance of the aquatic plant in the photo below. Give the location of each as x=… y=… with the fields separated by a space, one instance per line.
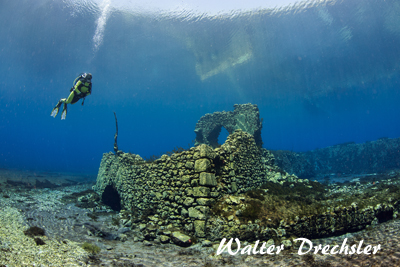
x=256 y=193
x=152 y=158
x=253 y=210
x=91 y=248
x=288 y=188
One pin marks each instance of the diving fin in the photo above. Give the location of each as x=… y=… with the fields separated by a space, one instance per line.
x=54 y=112
x=64 y=112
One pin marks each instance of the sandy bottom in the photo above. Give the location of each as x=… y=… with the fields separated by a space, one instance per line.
x=67 y=227
x=30 y=177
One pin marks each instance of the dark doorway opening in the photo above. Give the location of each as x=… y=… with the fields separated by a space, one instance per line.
x=111 y=198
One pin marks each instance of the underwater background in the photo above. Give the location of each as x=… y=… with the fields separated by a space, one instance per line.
x=321 y=73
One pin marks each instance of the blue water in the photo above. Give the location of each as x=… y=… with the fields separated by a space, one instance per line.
x=321 y=74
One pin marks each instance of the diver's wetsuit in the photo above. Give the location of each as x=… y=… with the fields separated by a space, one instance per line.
x=81 y=89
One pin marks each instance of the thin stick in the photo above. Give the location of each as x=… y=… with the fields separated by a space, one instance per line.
x=116 y=135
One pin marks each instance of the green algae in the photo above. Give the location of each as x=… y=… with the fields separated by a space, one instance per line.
x=289 y=202
x=91 y=248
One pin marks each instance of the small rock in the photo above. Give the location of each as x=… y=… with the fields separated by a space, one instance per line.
x=122 y=237
x=147 y=243
x=164 y=239
x=206 y=243
x=181 y=239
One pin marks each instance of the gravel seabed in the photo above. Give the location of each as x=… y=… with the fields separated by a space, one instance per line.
x=68 y=226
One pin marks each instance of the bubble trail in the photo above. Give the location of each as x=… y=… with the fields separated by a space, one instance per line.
x=101 y=24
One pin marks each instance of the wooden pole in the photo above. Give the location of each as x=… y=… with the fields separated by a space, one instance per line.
x=116 y=135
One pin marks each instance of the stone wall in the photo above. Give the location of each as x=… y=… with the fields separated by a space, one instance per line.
x=179 y=190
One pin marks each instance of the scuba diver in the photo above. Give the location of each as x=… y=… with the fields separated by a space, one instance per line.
x=82 y=88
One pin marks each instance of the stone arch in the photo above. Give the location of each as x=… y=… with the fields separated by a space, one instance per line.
x=245 y=117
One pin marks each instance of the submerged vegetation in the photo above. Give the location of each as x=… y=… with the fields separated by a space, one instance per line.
x=91 y=248
x=289 y=202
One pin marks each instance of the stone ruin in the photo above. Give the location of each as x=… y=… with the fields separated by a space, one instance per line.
x=179 y=190
x=245 y=117
x=172 y=198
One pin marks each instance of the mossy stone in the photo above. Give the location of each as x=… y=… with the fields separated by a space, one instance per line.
x=189 y=165
x=197 y=213
x=204 y=201
x=200 y=228
x=188 y=201
x=201 y=191
x=181 y=239
x=202 y=165
x=164 y=239
x=207 y=179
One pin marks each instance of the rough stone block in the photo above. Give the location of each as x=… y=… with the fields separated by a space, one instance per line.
x=184 y=212
x=199 y=212
x=233 y=187
x=208 y=179
x=214 y=194
x=202 y=165
x=194 y=182
x=200 y=228
x=204 y=201
x=189 y=165
x=189 y=192
x=194 y=213
x=206 y=152
x=181 y=239
x=234 y=200
x=188 y=201
x=201 y=191
x=204 y=209
x=185 y=179
x=164 y=239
